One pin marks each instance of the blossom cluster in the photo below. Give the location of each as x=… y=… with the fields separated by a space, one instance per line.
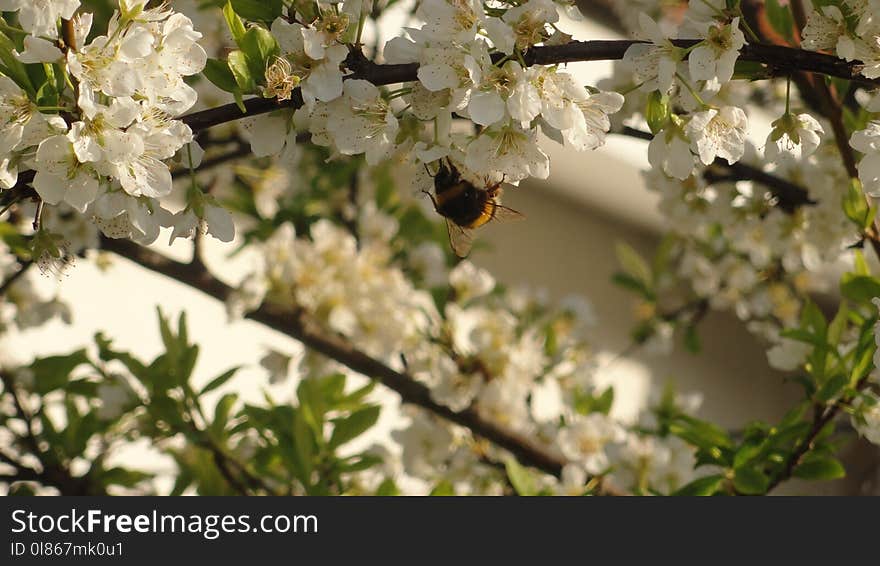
x=739 y=244
x=518 y=360
x=100 y=131
x=470 y=65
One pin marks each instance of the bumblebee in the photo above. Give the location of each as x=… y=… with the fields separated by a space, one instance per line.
x=466 y=206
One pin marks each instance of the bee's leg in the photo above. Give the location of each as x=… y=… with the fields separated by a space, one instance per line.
x=430 y=196
x=428 y=170
x=496 y=188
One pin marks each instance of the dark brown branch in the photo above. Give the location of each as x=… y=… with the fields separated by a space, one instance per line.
x=778 y=60
x=789 y=196
x=240 y=152
x=301 y=327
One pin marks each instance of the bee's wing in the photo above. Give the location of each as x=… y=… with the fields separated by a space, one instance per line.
x=461 y=239
x=504 y=213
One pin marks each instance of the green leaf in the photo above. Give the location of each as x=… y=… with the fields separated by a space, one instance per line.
x=122 y=477
x=750 y=481
x=859 y=288
x=219 y=73
x=360 y=462
x=780 y=18
x=860 y=265
x=699 y=433
x=832 y=388
x=239 y=101
x=820 y=468
x=221 y=414
x=260 y=46
x=443 y=488
x=803 y=336
x=633 y=263
x=236 y=26
x=387 y=488
x=258 y=10
x=521 y=478
x=627 y=281
x=812 y=318
x=241 y=71
x=838 y=325
x=332 y=388
x=218 y=381
x=856 y=208
x=657 y=111
x=701 y=487
x=747 y=452
x=863 y=365
x=13 y=68
x=352 y=426
x=53 y=372
x=304 y=448
x=692 y=339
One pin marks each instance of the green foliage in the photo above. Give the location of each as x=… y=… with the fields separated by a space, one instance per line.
x=521 y=478
x=708 y=485
x=246 y=66
x=219 y=73
x=859 y=288
x=818 y=467
x=594 y=402
x=857 y=208
x=258 y=10
x=657 y=111
x=53 y=372
x=780 y=17
x=302 y=448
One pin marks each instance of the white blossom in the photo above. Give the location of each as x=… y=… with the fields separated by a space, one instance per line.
x=360 y=121
x=585 y=440
x=318 y=68
x=718 y=133
x=60 y=175
x=508 y=151
x=41 y=17
x=715 y=58
x=470 y=281
x=653 y=64
x=793 y=137
x=788 y=354
x=866 y=419
x=670 y=151
x=867 y=141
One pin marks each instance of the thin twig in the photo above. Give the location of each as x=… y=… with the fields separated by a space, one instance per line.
x=822 y=416
x=789 y=196
x=23 y=267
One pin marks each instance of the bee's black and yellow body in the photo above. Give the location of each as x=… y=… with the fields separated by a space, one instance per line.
x=465 y=206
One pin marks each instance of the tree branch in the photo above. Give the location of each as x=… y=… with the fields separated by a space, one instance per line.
x=23 y=267
x=823 y=416
x=301 y=327
x=815 y=92
x=789 y=196
x=778 y=60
